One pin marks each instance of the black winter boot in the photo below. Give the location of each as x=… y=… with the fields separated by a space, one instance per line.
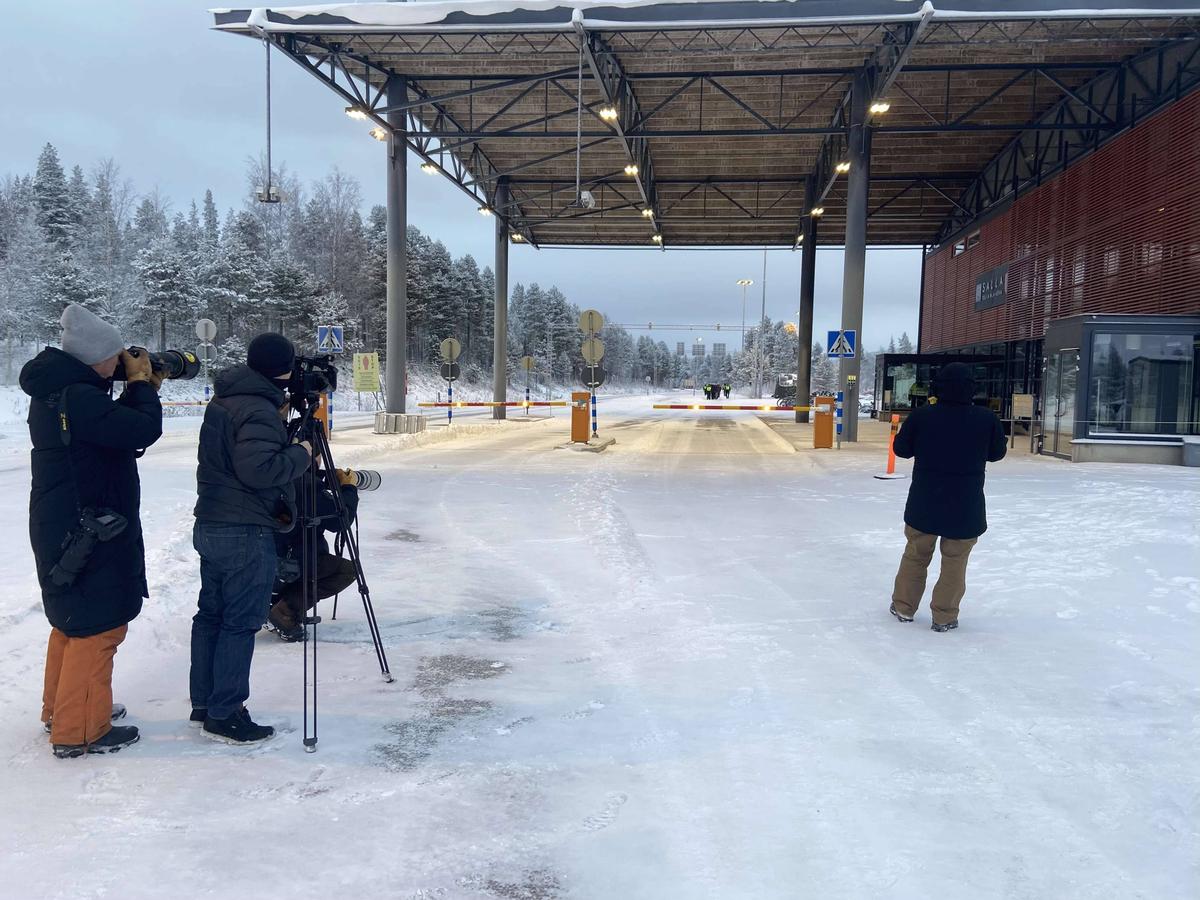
x=895 y=612
x=118 y=736
x=949 y=626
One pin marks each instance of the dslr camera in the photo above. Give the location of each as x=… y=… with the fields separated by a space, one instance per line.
x=167 y=363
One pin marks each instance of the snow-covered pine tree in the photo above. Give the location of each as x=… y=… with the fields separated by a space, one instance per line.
x=54 y=213
x=169 y=296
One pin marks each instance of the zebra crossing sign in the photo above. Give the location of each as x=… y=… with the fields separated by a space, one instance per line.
x=841 y=344
x=329 y=339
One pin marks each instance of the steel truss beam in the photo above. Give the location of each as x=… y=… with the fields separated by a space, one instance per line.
x=350 y=76
x=880 y=70
x=1089 y=116
x=766 y=39
x=618 y=94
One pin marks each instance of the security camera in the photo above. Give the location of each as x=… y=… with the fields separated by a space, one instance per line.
x=586 y=200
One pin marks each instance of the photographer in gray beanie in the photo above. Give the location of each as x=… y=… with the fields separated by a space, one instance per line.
x=84 y=521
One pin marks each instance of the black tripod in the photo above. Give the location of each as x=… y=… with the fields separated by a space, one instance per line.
x=322 y=475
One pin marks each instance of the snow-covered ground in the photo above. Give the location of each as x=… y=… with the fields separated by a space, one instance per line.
x=665 y=671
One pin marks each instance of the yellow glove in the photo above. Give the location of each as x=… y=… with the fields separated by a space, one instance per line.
x=137 y=367
x=345 y=477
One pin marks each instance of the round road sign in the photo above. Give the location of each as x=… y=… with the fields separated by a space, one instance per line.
x=450 y=349
x=593 y=350
x=206 y=353
x=206 y=330
x=591 y=321
x=528 y=363
x=592 y=376
x=450 y=371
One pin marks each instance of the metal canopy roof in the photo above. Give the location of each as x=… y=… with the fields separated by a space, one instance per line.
x=729 y=109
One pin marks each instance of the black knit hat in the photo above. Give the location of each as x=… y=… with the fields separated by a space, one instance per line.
x=271 y=355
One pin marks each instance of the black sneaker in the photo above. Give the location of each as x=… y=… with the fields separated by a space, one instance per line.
x=118 y=736
x=237 y=729
x=199 y=714
x=949 y=626
x=118 y=712
x=903 y=618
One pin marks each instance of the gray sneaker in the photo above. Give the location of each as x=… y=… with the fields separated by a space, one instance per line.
x=903 y=618
x=949 y=626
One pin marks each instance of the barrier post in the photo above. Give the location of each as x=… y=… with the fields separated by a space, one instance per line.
x=890 y=474
x=450 y=400
x=595 y=433
x=579 y=417
x=838 y=416
x=891 y=469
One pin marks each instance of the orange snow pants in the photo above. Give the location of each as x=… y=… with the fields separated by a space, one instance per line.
x=77 y=696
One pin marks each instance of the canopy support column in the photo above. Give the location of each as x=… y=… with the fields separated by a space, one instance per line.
x=808 y=274
x=854 y=274
x=397 y=251
x=500 y=352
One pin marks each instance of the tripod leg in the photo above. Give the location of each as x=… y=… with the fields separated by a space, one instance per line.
x=347 y=538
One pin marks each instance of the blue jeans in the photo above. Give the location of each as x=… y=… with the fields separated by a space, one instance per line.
x=237 y=571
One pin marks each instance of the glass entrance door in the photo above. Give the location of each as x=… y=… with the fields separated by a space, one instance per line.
x=1062 y=376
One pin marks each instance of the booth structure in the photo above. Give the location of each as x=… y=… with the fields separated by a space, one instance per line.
x=1121 y=388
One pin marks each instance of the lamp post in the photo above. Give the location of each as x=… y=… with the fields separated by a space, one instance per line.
x=745 y=283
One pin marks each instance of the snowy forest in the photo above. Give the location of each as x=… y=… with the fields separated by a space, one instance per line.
x=154 y=268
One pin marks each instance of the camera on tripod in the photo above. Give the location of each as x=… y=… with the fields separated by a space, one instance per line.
x=311 y=376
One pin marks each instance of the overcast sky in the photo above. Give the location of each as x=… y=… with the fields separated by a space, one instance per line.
x=180 y=107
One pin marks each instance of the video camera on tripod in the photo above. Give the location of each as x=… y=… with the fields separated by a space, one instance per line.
x=311 y=376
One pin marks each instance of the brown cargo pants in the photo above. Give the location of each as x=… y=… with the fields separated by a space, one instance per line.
x=77 y=694
x=951 y=583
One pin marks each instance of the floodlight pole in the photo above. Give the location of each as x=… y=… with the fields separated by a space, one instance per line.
x=500 y=351
x=854 y=274
x=397 y=250
x=808 y=274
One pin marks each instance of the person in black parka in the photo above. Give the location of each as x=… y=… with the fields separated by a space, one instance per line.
x=85 y=449
x=246 y=486
x=952 y=441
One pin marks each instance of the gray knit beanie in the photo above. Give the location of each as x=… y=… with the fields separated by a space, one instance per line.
x=87 y=337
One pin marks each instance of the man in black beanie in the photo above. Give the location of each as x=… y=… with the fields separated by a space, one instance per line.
x=246 y=482
x=952 y=441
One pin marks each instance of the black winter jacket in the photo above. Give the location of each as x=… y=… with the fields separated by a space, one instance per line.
x=247 y=470
x=952 y=441
x=98 y=468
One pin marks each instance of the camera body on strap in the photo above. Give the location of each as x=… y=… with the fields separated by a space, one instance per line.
x=96 y=526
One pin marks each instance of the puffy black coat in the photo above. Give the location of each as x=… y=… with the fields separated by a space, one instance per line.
x=247 y=471
x=952 y=441
x=98 y=468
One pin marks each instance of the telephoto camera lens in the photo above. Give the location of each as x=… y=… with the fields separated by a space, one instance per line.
x=367 y=479
x=169 y=363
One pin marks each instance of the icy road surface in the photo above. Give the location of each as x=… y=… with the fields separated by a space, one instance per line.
x=665 y=671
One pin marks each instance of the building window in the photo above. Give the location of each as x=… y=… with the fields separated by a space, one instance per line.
x=1144 y=384
x=971 y=240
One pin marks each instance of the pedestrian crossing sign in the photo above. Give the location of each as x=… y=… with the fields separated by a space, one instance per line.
x=329 y=339
x=841 y=344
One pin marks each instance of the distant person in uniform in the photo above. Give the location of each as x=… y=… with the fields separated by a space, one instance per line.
x=951 y=441
x=727 y=388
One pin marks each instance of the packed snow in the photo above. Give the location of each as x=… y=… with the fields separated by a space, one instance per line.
x=664 y=671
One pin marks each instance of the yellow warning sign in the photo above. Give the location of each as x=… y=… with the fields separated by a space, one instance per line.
x=366 y=372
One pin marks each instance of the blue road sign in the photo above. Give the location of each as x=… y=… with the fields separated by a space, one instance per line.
x=842 y=344
x=329 y=339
